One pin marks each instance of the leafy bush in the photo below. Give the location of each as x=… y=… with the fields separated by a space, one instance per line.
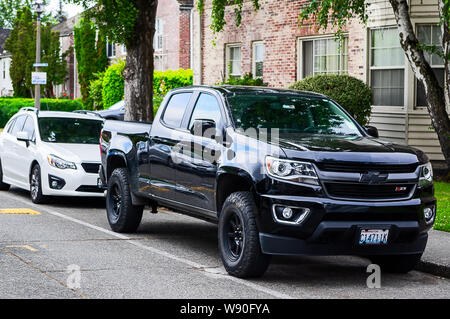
x=247 y=79
x=95 y=91
x=164 y=81
x=10 y=106
x=113 y=84
x=352 y=94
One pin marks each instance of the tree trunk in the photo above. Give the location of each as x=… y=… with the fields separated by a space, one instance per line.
x=138 y=73
x=422 y=70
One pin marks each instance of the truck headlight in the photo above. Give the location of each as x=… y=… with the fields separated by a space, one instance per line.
x=293 y=171
x=57 y=162
x=425 y=174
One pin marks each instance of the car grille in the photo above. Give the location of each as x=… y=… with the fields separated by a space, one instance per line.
x=89 y=189
x=91 y=168
x=366 y=191
x=363 y=168
x=381 y=217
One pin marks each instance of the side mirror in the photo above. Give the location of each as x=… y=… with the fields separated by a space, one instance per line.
x=199 y=127
x=23 y=136
x=372 y=131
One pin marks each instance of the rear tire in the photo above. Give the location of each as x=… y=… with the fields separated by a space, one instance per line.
x=123 y=216
x=239 y=244
x=3 y=186
x=396 y=263
x=36 y=186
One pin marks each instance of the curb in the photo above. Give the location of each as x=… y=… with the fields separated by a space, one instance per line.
x=433 y=268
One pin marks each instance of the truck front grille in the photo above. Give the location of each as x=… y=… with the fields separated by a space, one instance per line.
x=363 y=168
x=366 y=191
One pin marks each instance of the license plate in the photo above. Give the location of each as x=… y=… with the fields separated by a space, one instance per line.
x=373 y=236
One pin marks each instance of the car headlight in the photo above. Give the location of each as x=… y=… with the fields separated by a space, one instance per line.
x=293 y=171
x=425 y=174
x=57 y=162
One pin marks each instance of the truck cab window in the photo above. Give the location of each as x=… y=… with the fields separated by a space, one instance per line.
x=173 y=114
x=206 y=108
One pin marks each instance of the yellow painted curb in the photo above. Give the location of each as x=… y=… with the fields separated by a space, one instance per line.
x=23 y=211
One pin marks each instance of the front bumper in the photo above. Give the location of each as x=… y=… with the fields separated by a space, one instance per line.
x=333 y=226
x=76 y=182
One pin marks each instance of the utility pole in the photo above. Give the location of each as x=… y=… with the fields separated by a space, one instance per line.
x=38 y=9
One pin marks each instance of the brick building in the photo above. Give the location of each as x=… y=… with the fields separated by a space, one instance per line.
x=271 y=44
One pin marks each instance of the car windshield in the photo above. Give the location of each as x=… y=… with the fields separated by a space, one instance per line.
x=117 y=106
x=70 y=130
x=290 y=113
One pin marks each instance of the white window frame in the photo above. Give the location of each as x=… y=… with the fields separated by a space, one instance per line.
x=433 y=66
x=254 y=61
x=227 y=59
x=300 y=66
x=370 y=68
x=113 y=46
x=158 y=41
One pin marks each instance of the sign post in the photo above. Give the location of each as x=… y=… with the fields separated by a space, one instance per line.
x=38 y=8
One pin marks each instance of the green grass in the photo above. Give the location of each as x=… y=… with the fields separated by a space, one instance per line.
x=442 y=193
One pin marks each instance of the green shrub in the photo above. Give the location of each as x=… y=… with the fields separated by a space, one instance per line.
x=10 y=106
x=164 y=81
x=352 y=94
x=95 y=91
x=247 y=79
x=113 y=84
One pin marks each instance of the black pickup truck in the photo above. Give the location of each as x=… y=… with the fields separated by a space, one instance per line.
x=282 y=172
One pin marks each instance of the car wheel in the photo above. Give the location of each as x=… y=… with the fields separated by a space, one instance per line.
x=396 y=263
x=123 y=216
x=3 y=186
x=239 y=245
x=36 y=186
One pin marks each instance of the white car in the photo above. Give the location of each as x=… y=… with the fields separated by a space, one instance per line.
x=51 y=153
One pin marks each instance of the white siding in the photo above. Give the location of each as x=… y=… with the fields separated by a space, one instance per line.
x=422 y=135
x=391 y=126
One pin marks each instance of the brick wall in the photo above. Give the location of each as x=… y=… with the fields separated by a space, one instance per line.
x=184 y=53
x=277 y=25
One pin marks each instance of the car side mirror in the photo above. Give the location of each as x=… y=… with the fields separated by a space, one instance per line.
x=199 y=127
x=372 y=131
x=23 y=136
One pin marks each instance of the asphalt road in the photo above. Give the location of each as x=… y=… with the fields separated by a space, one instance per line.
x=171 y=256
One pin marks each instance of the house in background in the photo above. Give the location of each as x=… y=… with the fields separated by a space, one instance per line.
x=6 y=88
x=271 y=44
x=173 y=33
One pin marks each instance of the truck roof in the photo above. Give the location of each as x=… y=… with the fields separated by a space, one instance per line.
x=240 y=89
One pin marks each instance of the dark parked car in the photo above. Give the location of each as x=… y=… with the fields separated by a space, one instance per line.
x=115 y=112
x=282 y=172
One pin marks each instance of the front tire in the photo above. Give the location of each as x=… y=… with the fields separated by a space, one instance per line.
x=396 y=263
x=123 y=216
x=36 y=186
x=3 y=186
x=239 y=245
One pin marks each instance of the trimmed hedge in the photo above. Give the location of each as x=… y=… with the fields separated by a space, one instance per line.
x=113 y=84
x=164 y=81
x=351 y=93
x=247 y=80
x=10 y=106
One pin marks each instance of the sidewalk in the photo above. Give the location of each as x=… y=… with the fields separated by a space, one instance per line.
x=436 y=258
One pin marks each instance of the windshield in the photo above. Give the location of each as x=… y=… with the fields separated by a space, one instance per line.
x=290 y=114
x=117 y=106
x=69 y=130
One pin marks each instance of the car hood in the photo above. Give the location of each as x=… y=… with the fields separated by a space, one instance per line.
x=349 y=149
x=76 y=153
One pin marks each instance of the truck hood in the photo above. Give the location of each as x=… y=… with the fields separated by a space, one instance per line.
x=76 y=153
x=349 y=149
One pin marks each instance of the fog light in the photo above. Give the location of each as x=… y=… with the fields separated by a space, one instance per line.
x=428 y=213
x=56 y=182
x=287 y=213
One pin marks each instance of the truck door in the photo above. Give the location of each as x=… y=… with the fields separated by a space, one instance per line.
x=196 y=165
x=166 y=135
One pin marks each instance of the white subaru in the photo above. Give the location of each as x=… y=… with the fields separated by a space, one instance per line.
x=51 y=153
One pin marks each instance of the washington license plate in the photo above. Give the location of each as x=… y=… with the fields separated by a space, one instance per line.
x=373 y=236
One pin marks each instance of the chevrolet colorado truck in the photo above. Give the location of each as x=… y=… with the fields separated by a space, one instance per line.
x=282 y=172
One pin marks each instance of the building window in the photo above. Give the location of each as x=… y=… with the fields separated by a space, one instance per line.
x=430 y=35
x=158 y=40
x=258 y=59
x=324 y=56
x=110 y=50
x=387 y=67
x=233 y=59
